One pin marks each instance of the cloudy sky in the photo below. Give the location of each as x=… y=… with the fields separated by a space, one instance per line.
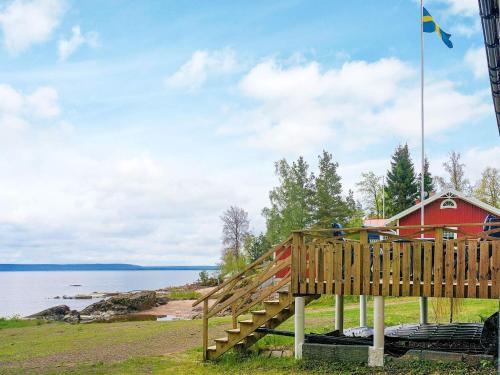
x=127 y=127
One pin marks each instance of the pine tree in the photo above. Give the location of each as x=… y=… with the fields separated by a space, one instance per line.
x=429 y=186
x=328 y=204
x=291 y=201
x=402 y=186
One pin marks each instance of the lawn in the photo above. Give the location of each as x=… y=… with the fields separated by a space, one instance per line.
x=173 y=347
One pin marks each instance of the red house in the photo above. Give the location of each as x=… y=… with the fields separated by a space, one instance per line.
x=448 y=207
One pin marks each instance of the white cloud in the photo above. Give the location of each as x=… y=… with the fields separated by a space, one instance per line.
x=25 y=23
x=461 y=7
x=194 y=73
x=67 y=47
x=475 y=58
x=41 y=103
x=364 y=103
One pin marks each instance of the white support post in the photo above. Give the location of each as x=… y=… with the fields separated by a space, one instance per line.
x=376 y=352
x=362 y=311
x=299 y=326
x=339 y=313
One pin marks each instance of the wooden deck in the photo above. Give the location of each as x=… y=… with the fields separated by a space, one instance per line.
x=467 y=267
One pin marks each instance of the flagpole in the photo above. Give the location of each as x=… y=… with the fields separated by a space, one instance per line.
x=423 y=300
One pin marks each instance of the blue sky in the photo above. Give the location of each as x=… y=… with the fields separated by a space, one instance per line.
x=126 y=127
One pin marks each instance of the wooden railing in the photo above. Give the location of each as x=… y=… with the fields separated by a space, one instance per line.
x=392 y=265
x=248 y=288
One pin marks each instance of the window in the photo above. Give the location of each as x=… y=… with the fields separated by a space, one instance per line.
x=448 y=203
x=447 y=235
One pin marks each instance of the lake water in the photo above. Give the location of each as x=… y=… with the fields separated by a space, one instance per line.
x=26 y=293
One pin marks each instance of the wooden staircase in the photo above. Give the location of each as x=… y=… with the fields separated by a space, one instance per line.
x=265 y=282
x=274 y=313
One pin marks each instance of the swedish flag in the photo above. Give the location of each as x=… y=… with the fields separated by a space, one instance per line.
x=431 y=26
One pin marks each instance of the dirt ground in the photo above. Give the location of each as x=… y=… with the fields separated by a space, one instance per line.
x=98 y=342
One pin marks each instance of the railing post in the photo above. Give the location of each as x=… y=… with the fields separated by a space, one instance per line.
x=233 y=314
x=363 y=239
x=297 y=247
x=205 y=329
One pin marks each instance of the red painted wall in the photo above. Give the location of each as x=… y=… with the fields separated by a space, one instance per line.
x=283 y=253
x=464 y=213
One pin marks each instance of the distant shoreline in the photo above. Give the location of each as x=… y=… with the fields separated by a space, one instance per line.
x=98 y=267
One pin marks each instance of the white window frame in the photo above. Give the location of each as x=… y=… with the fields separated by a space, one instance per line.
x=448 y=200
x=455 y=234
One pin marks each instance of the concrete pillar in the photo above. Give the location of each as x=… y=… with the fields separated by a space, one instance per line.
x=376 y=352
x=299 y=326
x=423 y=311
x=362 y=311
x=339 y=313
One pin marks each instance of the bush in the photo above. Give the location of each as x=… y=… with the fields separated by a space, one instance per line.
x=206 y=279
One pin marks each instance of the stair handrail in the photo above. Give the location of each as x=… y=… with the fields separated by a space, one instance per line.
x=252 y=265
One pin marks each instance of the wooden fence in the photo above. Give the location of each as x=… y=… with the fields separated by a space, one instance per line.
x=348 y=264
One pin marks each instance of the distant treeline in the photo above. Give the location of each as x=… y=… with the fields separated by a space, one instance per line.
x=98 y=267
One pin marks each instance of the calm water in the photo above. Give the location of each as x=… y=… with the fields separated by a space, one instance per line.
x=25 y=293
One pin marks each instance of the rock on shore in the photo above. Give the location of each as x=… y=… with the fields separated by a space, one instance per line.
x=120 y=304
x=61 y=313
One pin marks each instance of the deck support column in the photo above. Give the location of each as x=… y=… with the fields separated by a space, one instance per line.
x=362 y=311
x=376 y=352
x=339 y=313
x=299 y=326
x=424 y=308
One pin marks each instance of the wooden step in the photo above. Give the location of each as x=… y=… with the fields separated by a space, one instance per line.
x=246 y=322
x=212 y=348
x=222 y=340
x=259 y=312
x=272 y=302
x=233 y=331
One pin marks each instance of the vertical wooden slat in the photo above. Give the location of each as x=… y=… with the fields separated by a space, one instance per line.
x=347 y=267
x=483 y=269
x=417 y=268
x=338 y=268
x=303 y=269
x=471 y=274
x=448 y=267
x=427 y=292
x=495 y=269
x=328 y=268
x=376 y=269
x=321 y=268
x=396 y=269
x=405 y=268
x=297 y=239
x=311 y=254
x=460 y=269
x=365 y=253
x=386 y=269
x=357 y=280
x=438 y=263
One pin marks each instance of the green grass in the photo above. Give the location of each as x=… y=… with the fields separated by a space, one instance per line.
x=19 y=323
x=137 y=347
x=180 y=294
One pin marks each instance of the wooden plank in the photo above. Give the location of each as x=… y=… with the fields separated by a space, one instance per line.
x=427 y=292
x=311 y=255
x=386 y=269
x=495 y=269
x=357 y=280
x=376 y=269
x=347 y=267
x=449 y=269
x=321 y=268
x=417 y=268
x=460 y=269
x=205 y=328
x=338 y=268
x=396 y=269
x=365 y=253
x=438 y=267
x=405 y=270
x=297 y=238
x=303 y=269
x=471 y=274
x=484 y=268
x=329 y=268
